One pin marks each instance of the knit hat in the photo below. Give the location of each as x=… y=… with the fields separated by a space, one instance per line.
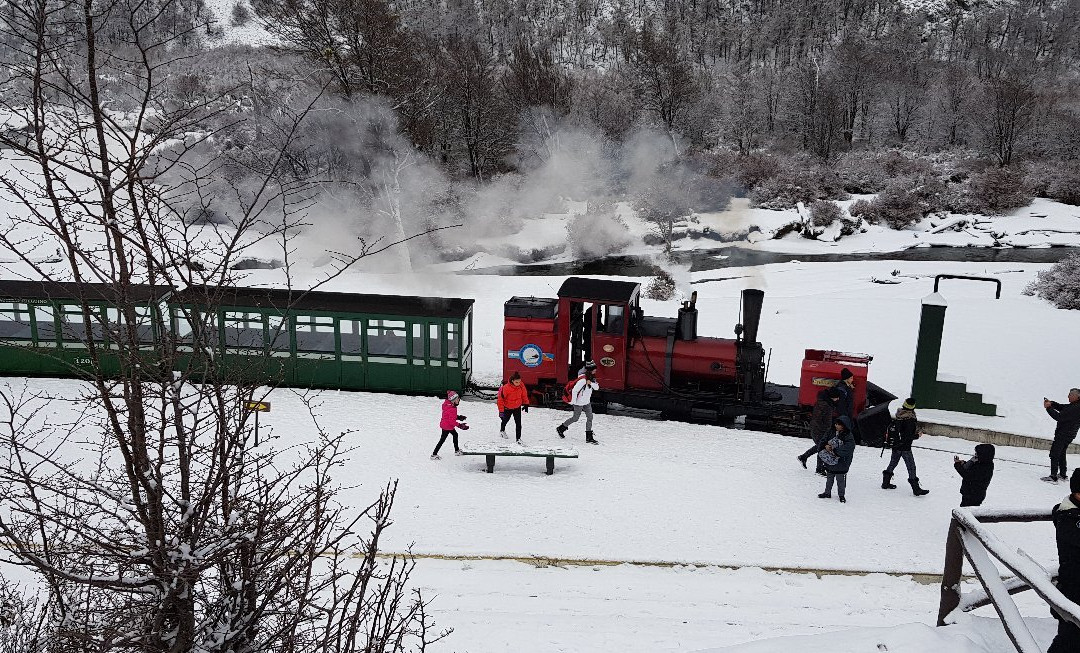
x=589 y=365
x=909 y=403
x=451 y=395
x=1074 y=482
x=845 y=374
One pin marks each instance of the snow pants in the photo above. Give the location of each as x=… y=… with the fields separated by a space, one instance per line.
x=445 y=433
x=909 y=461
x=1067 y=640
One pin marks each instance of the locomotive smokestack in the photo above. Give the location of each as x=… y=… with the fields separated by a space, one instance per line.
x=752 y=300
x=687 y=322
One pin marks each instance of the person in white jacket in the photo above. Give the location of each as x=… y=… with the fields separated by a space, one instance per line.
x=581 y=400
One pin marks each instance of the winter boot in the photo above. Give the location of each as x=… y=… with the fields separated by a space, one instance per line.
x=915 y=489
x=886 y=477
x=502 y=434
x=825 y=495
x=561 y=430
x=589 y=439
x=802 y=459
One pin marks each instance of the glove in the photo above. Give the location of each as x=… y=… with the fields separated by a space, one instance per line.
x=461 y=417
x=463 y=426
x=524 y=409
x=502 y=415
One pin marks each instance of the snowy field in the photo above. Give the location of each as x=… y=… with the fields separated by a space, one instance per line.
x=510 y=606
x=656 y=492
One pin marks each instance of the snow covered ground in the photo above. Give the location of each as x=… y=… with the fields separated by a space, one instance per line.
x=511 y=606
x=656 y=492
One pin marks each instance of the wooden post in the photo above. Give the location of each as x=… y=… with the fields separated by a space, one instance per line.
x=550 y=465
x=951 y=574
x=490 y=459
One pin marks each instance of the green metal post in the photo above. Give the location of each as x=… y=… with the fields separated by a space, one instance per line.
x=928 y=350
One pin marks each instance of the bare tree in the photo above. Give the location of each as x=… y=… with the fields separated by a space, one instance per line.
x=141 y=502
x=666 y=84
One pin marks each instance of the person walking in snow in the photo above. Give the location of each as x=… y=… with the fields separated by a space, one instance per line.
x=821 y=424
x=451 y=421
x=907 y=431
x=976 y=473
x=845 y=406
x=581 y=400
x=513 y=399
x=1067 y=533
x=837 y=455
x=1067 y=417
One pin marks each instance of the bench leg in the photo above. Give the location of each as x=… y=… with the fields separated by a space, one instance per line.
x=490 y=463
x=550 y=465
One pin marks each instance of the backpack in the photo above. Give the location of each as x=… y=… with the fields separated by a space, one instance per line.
x=828 y=457
x=892 y=435
x=569 y=390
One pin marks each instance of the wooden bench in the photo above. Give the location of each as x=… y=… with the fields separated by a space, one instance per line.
x=490 y=451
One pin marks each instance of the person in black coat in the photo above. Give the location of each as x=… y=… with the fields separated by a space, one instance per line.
x=976 y=473
x=845 y=406
x=1067 y=417
x=821 y=423
x=1067 y=532
x=907 y=431
x=841 y=444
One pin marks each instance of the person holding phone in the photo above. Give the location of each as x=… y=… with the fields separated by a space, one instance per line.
x=1067 y=417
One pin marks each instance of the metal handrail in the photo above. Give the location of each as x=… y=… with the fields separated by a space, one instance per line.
x=939 y=277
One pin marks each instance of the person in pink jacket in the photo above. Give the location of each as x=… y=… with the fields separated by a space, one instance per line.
x=450 y=422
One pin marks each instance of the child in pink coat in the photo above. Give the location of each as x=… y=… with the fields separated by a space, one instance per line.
x=450 y=422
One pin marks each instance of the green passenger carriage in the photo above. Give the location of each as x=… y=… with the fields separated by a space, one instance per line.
x=307 y=339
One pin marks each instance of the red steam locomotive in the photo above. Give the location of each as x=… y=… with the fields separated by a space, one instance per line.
x=661 y=363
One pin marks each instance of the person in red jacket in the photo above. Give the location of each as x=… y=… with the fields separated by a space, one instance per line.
x=512 y=400
x=450 y=422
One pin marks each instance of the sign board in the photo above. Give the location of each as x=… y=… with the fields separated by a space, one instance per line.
x=258 y=406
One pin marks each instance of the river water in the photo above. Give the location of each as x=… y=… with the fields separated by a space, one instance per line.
x=732 y=257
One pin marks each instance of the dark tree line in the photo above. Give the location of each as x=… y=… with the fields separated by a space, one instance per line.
x=812 y=76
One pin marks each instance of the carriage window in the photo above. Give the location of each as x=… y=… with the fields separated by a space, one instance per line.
x=44 y=318
x=453 y=341
x=277 y=333
x=467 y=334
x=181 y=327
x=434 y=341
x=144 y=324
x=386 y=338
x=418 y=340
x=15 y=321
x=351 y=343
x=243 y=329
x=73 y=324
x=316 y=334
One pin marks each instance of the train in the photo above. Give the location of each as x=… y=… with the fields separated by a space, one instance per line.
x=424 y=345
x=662 y=363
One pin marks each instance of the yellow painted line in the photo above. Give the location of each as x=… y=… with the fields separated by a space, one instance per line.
x=546 y=561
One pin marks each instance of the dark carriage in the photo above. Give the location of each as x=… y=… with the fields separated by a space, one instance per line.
x=244 y=335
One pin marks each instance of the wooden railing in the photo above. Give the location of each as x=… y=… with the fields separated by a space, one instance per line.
x=969 y=538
